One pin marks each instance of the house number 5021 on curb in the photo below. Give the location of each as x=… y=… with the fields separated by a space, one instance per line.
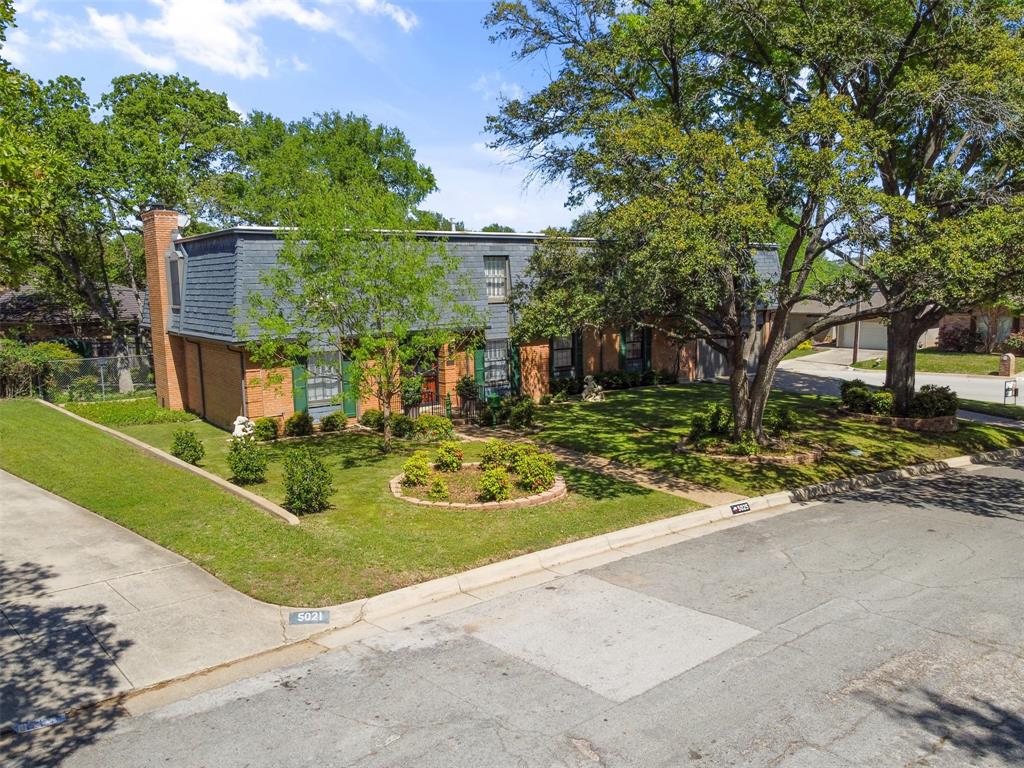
x=309 y=617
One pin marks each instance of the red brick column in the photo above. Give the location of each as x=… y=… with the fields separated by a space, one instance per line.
x=159 y=228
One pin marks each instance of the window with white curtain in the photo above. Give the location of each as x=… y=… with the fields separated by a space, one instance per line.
x=496 y=362
x=496 y=277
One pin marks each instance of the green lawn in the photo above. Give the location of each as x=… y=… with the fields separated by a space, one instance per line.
x=1008 y=411
x=368 y=543
x=118 y=413
x=802 y=353
x=934 y=361
x=641 y=426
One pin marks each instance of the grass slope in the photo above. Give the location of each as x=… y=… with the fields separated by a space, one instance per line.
x=367 y=543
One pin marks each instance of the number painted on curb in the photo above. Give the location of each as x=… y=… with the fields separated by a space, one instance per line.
x=739 y=508
x=43 y=722
x=309 y=617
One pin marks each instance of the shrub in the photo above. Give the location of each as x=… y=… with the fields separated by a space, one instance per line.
x=932 y=401
x=535 y=471
x=515 y=455
x=493 y=454
x=412 y=391
x=53 y=350
x=565 y=387
x=265 y=429
x=431 y=427
x=401 y=425
x=1015 y=343
x=438 y=489
x=186 y=446
x=487 y=416
x=883 y=402
x=84 y=387
x=307 y=482
x=119 y=413
x=958 y=338
x=332 y=422
x=780 y=422
x=467 y=389
x=715 y=421
x=747 y=446
x=449 y=457
x=416 y=469
x=495 y=485
x=372 y=419
x=298 y=424
x=856 y=396
x=805 y=344
x=546 y=399
x=247 y=460
x=521 y=414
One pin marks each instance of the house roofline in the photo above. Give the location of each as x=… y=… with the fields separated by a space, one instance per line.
x=426 y=233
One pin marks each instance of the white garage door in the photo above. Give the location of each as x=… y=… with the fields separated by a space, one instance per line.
x=873 y=335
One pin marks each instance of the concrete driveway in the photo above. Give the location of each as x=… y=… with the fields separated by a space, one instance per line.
x=879 y=628
x=89 y=609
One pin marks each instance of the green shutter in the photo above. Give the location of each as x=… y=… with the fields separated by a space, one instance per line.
x=515 y=369
x=300 y=401
x=622 y=349
x=347 y=392
x=647 y=349
x=478 y=369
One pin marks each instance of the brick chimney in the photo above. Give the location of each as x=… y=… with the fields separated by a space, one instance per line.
x=159 y=229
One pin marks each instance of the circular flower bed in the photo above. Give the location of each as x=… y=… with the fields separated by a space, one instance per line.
x=508 y=475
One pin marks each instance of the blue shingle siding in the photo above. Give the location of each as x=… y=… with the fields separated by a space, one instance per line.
x=223 y=268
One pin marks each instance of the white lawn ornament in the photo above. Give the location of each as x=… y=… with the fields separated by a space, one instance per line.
x=592 y=391
x=244 y=427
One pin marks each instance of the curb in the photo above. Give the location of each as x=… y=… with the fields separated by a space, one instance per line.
x=399 y=608
x=264 y=504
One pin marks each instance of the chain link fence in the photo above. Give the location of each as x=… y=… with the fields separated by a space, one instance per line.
x=96 y=378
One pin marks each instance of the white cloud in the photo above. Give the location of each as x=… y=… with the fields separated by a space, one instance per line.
x=481 y=187
x=492 y=86
x=15 y=47
x=221 y=35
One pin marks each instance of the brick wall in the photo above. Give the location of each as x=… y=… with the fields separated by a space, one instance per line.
x=159 y=228
x=268 y=392
x=222 y=383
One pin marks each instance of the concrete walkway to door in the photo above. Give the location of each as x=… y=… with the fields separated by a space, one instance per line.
x=90 y=609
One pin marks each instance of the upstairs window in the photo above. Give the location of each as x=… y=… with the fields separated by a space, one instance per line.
x=496 y=278
x=174 y=274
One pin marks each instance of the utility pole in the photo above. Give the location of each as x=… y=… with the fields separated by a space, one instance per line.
x=856 y=323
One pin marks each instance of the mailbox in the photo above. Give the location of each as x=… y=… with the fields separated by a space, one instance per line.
x=1010 y=390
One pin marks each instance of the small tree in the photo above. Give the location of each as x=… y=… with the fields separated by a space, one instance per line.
x=356 y=287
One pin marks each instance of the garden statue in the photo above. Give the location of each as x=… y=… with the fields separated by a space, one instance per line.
x=592 y=391
x=244 y=427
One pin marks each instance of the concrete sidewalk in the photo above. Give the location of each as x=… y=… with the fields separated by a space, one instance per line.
x=90 y=609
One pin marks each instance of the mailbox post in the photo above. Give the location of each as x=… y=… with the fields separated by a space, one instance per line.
x=1010 y=391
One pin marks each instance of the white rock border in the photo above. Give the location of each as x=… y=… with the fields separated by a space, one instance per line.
x=555 y=492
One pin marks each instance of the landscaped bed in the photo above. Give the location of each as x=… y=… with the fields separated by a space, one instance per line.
x=367 y=542
x=642 y=427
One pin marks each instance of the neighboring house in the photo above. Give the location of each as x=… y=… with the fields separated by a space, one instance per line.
x=31 y=315
x=993 y=325
x=198 y=294
x=874 y=334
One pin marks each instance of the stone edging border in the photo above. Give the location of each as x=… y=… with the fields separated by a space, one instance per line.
x=788 y=459
x=265 y=504
x=934 y=424
x=556 y=491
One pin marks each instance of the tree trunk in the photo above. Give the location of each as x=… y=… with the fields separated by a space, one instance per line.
x=901 y=354
x=125 y=384
x=385 y=409
x=739 y=389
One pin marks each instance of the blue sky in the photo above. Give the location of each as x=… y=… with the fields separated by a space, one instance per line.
x=425 y=67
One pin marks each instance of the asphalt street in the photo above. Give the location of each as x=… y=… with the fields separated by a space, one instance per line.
x=878 y=628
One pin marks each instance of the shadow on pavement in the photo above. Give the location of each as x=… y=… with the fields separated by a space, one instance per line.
x=806 y=384
x=56 y=659
x=975 y=494
x=979 y=728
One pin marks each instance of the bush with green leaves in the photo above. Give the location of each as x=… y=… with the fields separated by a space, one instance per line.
x=298 y=424
x=883 y=402
x=332 y=422
x=521 y=414
x=779 y=422
x=1015 y=343
x=535 y=472
x=372 y=419
x=495 y=485
x=416 y=469
x=307 y=482
x=747 y=446
x=487 y=416
x=546 y=399
x=247 y=460
x=438 y=489
x=932 y=401
x=401 y=425
x=265 y=429
x=185 y=445
x=493 y=454
x=431 y=427
x=856 y=395
x=466 y=388
x=716 y=421
x=449 y=457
